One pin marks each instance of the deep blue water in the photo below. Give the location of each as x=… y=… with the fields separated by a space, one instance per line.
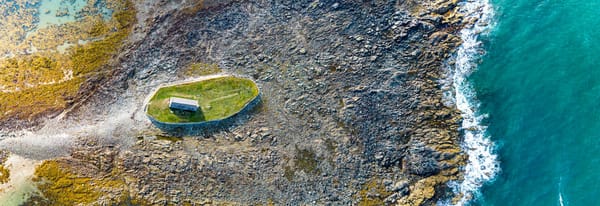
x=539 y=82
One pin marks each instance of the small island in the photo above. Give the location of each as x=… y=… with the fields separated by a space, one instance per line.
x=199 y=103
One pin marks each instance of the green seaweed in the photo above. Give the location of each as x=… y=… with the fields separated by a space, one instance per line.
x=58 y=184
x=4 y=174
x=62 y=187
x=373 y=193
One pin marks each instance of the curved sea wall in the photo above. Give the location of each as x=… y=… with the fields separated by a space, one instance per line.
x=190 y=128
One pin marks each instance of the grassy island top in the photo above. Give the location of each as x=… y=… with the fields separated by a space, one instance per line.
x=218 y=98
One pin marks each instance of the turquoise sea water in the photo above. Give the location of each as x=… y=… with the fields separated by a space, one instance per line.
x=539 y=84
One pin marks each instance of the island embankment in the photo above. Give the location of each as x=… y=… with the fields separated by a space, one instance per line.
x=219 y=99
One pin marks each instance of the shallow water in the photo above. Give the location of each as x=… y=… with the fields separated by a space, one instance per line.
x=48 y=10
x=539 y=82
x=20 y=187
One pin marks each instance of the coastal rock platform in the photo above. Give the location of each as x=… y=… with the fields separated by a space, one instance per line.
x=351 y=108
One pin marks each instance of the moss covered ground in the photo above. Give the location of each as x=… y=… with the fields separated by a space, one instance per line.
x=305 y=160
x=58 y=184
x=218 y=98
x=373 y=193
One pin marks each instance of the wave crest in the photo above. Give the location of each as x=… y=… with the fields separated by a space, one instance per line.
x=482 y=164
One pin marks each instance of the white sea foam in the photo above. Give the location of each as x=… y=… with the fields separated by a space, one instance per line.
x=561 y=200
x=482 y=164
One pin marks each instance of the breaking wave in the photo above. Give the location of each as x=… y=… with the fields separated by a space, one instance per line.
x=482 y=164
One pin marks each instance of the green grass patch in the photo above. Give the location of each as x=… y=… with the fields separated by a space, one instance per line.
x=218 y=98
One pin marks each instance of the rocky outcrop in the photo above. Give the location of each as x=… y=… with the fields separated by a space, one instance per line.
x=351 y=108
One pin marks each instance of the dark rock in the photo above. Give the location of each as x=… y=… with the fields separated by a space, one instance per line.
x=423 y=161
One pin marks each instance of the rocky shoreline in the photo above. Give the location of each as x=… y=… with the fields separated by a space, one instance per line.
x=351 y=109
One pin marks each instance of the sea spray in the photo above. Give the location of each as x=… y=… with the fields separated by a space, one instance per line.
x=482 y=165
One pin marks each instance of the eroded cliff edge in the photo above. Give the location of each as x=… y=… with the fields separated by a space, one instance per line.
x=351 y=111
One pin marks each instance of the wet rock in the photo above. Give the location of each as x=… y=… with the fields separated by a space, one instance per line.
x=423 y=161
